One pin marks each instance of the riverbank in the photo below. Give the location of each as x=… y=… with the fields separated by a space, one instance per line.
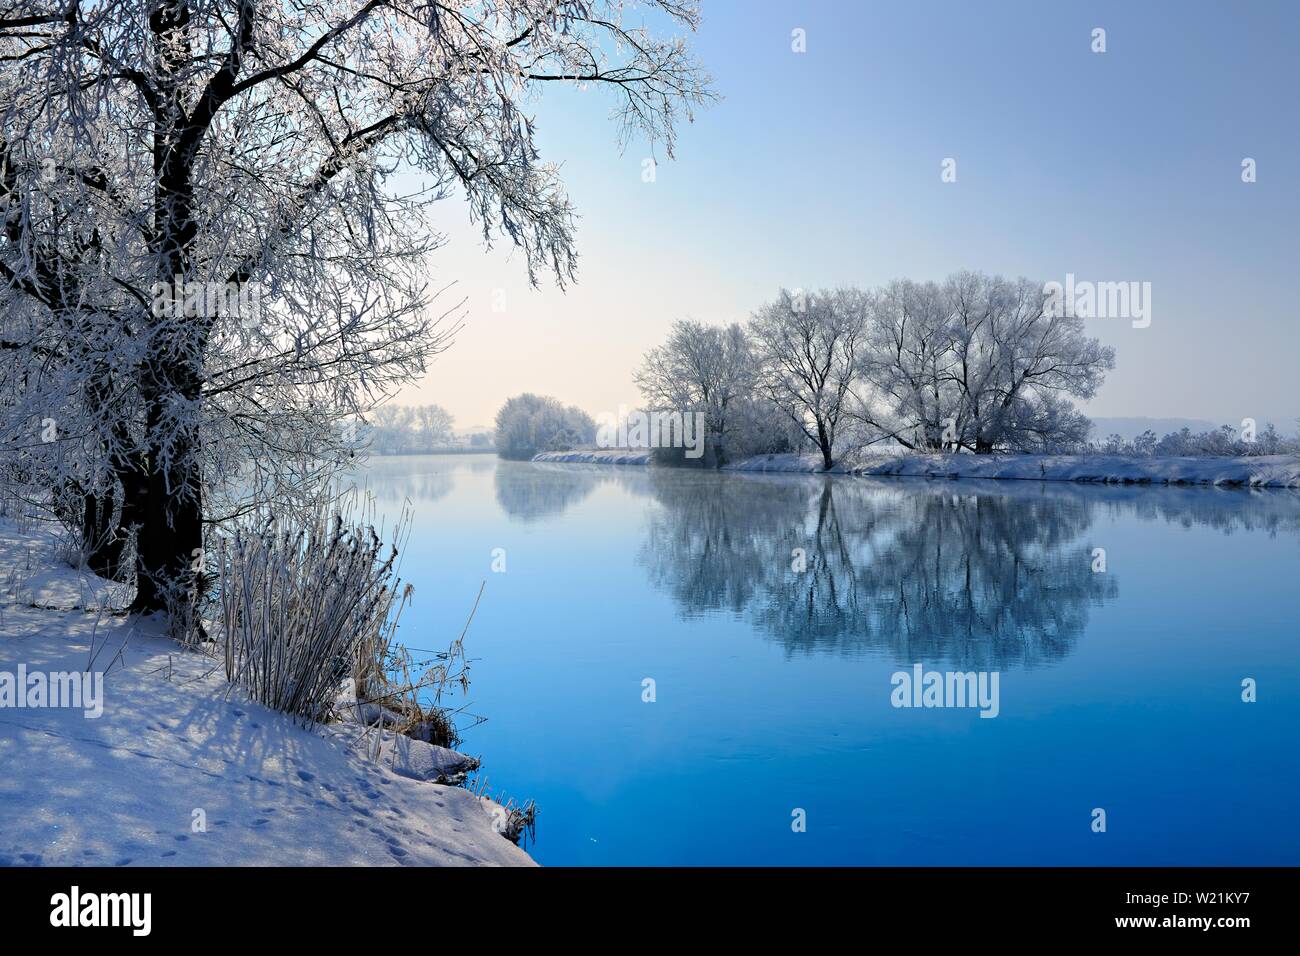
x=1271 y=471
x=178 y=767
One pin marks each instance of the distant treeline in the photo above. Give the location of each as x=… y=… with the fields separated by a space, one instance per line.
x=417 y=429
x=976 y=363
x=1226 y=441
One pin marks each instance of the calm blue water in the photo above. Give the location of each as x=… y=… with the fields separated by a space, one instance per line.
x=1119 y=690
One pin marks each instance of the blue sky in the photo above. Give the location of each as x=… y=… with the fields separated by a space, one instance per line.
x=823 y=168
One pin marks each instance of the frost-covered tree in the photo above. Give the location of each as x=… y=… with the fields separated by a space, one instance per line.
x=527 y=424
x=702 y=368
x=434 y=423
x=979 y=363
x=1017 y=362
x=811 y=349
x=905 y=392
x=1043 y=423
x=398 y=429
x=210 y=265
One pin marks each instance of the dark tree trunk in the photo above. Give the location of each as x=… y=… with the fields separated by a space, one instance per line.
x=168 y=540
x=164 y=501
x=167 y=509
x=824 y=443
x=103 y=538
x=92 y=516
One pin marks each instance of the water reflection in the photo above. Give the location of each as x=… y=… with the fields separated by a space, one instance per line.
x=531 y=491
x=396 y=478
x=972 y=574
x=921 y=572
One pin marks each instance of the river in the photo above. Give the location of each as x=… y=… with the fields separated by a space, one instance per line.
x=686 y=667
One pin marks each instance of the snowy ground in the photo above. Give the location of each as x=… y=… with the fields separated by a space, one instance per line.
x=1273 y=471
x=176 y=744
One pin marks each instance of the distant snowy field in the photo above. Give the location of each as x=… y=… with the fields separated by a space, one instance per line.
x=176 y=742
x=1272 y=471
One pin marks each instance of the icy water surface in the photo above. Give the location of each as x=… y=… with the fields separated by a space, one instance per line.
x=1118 y=689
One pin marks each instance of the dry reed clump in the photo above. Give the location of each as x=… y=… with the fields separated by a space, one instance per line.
x=307 y=602
x=515 y=821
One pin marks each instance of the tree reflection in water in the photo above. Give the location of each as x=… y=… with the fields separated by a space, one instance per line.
x=532 y=490
x=978 y=575
x=917 y=571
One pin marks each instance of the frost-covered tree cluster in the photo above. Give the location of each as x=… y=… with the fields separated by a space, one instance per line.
x=713 y=371
x=1226 y=441
x=206 y=266
x=407 y=429
x=528 y=424
x=977 y=363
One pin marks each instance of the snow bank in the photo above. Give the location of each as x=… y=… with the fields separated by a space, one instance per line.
x=1272 y=471
x=786 y=464
x=181 y=770
x=598 y=456
x=34 y=572
x=408 y=757
x=1265 y=471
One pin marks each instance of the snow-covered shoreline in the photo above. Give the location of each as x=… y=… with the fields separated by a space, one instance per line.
x=181 y=769
x=597 y=456
x=1272 y=471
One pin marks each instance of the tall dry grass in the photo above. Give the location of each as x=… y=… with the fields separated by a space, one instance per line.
x=306 y=602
